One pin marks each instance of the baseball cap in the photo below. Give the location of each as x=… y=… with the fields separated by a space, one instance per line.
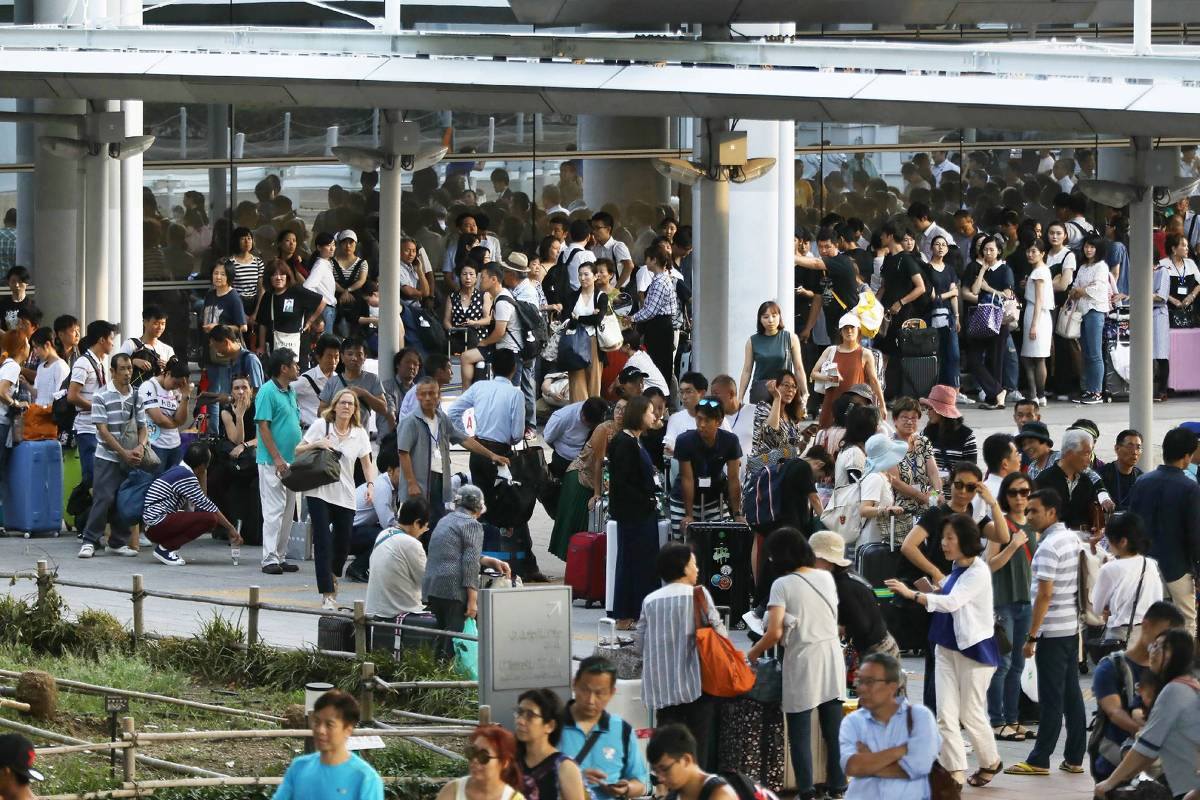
x=17 y=754
x=1194 y=427
x=346 y=234
x=631 y=374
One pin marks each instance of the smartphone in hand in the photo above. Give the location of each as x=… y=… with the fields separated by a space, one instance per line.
x=924 y=585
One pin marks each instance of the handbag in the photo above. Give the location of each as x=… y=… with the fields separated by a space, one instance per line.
x=623 y=655
x=315 y=467
x=942 y=785
x=1099 y=646
x=1070 y=321
x=768 y=681
x=987 y=319
x=916 y=340
x=723 y=668
x=131 y=496
x=1012 y=313
x=574 y=349
x=39 y=424
x=608 y=333
x=466 y=652
x=870 y=314
x=128 y=438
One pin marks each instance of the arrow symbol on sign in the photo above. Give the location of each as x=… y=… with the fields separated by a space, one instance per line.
x=556 y=608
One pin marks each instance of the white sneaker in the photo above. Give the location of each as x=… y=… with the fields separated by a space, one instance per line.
x=982 y=396
x=87 y=550
x=125 y=550
x=329 y=604
x=144 y=542
x=1016 y=396
x=1043 y=401
x=168 y=557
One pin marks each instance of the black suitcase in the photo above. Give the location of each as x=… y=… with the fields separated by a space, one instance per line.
x=335 y=633
x=723 y=556
x=386 y=639
x=918 y=374
x=750 y=741
x=1116 y=388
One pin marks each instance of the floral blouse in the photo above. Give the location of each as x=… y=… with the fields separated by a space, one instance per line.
x=914 y=471
x=767 y=438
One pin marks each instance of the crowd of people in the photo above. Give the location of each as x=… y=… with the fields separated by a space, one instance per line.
x=568 y=322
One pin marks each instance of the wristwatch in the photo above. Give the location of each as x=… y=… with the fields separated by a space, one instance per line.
x=1030 y=639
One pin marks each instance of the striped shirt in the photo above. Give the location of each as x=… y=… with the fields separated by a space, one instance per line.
x=174 y=490
x=111 y=408
x=1057 y=560
x=666 y=637
x=246 y=277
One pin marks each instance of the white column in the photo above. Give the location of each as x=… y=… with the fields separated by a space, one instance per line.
x=1142 y=22
x=1141 y=290
x=132 y=274
x=710 y=278
x=97 y=235
x=784 y=176
x=390 y=234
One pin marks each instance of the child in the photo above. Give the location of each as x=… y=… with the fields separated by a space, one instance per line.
x=332 y=771
x=52 y=370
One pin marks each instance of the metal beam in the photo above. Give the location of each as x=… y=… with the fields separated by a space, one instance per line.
x=1076 y=59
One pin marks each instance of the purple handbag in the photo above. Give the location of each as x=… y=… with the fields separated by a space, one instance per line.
x=986 y=319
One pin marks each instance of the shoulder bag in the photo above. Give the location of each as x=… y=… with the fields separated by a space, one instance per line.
x=987 y=318
x=723 y=668
x=1069 y=324
x=942 y=785
x=127 y=437
x=315 y=467
x=1101 y=645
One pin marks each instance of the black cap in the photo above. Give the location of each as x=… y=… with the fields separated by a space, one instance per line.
x=18 y=755
x=1035 y=430
x=631 y=374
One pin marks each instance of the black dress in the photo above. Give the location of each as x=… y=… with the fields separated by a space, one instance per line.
x=633 y=505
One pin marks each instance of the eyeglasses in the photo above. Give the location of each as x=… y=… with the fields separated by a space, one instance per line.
x=478 y=755
x=861 y=681
x=966 y=487
x=1018 y=492
x=526 y=714
x=661 y=770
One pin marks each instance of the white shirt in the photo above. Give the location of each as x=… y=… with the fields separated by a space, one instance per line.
x=397 y=568
x=381 y=510
x=679 y=422
x=507 y=313
x=614 y=250
x=89 y=381
x=641 y=359
x=574 y=255
x=49 y=380
x=10 y=371
x=941 y=169
x=152 y=395
x=1094 y=280
x=969 y=604
x=643 y=275
x=1040 y=281
x=161 y=349
x=1116 y=586
x=877 y=489
x=353 y=447
x=308 y=395
x=741 y=424
x=320 y=280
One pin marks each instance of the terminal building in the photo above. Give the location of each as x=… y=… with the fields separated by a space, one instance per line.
x=132 y=128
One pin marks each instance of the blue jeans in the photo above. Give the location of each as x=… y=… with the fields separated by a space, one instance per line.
x=1004 y=692
x=1059 y=695
x=1012 y=365
x=5 y=426
x=1091 y=339
x=799 y=726
x=169 y=456
x=950 y=369
x=330 y=316
x=86 y=442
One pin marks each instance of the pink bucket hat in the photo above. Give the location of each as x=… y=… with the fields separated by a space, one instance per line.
x=941 y=399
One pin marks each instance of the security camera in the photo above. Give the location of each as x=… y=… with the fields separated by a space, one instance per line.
x=407 y=161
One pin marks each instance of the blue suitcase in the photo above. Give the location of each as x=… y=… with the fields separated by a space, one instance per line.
x=33 y=502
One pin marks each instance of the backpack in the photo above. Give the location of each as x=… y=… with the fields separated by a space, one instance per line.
x=1098 y=744
x=534 y=330
x=144 y=353
x=131 y=496
x=62 y=410
x=843 y=515
x=763 y=497
x=743 y=786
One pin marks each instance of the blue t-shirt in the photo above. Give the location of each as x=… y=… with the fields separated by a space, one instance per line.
x=279 y=408
x=308 y=779
x=615 y=752
x=1107 y=681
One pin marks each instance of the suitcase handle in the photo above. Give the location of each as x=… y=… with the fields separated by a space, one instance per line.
x=611 y=624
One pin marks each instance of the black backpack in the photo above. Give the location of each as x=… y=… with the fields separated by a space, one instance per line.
x=534 y=330
x=143 y=353
x=744 y=787
x=1097 y=744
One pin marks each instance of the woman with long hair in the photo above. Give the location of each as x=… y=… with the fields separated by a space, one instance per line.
x=493 y=772
x=633 y=482
x=1065 y=366
x=320 y=277
x=331 y=506
x=586 y=308
x=468 y=307
x=991 y=283
x=549 y=773
x=862 y=422
x=771 y=351
x=16 y=351
x=1010 y=563
x=1038 y=321
x=287 y=250
x=1090 y=291
x=1129 y=583
x=944 y=310
x=777 y=423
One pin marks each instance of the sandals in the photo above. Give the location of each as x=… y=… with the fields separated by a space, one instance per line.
x=1009 y=733
x=1074 y=769
x=1025 y=768
x=1021 y=729
x=626 y=624
x=983 y=776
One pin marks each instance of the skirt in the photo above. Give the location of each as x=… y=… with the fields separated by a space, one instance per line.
x=572 y=514
x=1039 y=347
x=637 y=551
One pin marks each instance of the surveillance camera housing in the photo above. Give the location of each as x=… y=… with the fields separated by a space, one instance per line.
x=407 y=139
x=407 y=161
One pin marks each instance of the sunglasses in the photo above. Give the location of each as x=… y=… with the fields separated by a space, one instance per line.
x=478 y=755
x=1018 y=492
x=709 y=402
x=966 y=487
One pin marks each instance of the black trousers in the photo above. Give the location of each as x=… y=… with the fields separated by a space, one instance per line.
x=658 y=335
x=451 y=615
x=698 y=717
x=483 y=475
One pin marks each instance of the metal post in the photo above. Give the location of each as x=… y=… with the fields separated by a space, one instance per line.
x=138 y=616
x=129 y=754
x=44 y=581
x=485 y=715
x=375 y=127
x=252 y=617
x=239 y=144
x=97 y=238
x=366 y=691
x=520 y=127
x=389 y=246
x=1141 y=305
x=1142 y=19
x=287 y=132
x=331 y=139
x=491 y=134
x=183 y=132
x=360 y=628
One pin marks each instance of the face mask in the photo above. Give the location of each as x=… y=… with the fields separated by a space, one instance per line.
x=1192 y=471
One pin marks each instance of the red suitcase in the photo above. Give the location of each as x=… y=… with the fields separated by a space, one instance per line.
x=587 y=553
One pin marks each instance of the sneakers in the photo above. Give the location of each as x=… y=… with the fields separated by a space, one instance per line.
x=1043 y=401
x=168 y=557
x=329 y=604
x=287 y=566
x=272 y=569
x=1089 y=399
x=125 y=550
x=143 y=541
x=965 y=400
x=1016 y=395
x=87 y=550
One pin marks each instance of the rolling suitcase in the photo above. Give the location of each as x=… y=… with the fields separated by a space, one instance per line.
x=723 y=555
x=395 y=642
x=335 y=633
x=918 y=374
x=34 y=494
x=587 y=554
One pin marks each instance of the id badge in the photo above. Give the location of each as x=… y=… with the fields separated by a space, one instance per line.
x=1181 y=290
x=704 y=483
